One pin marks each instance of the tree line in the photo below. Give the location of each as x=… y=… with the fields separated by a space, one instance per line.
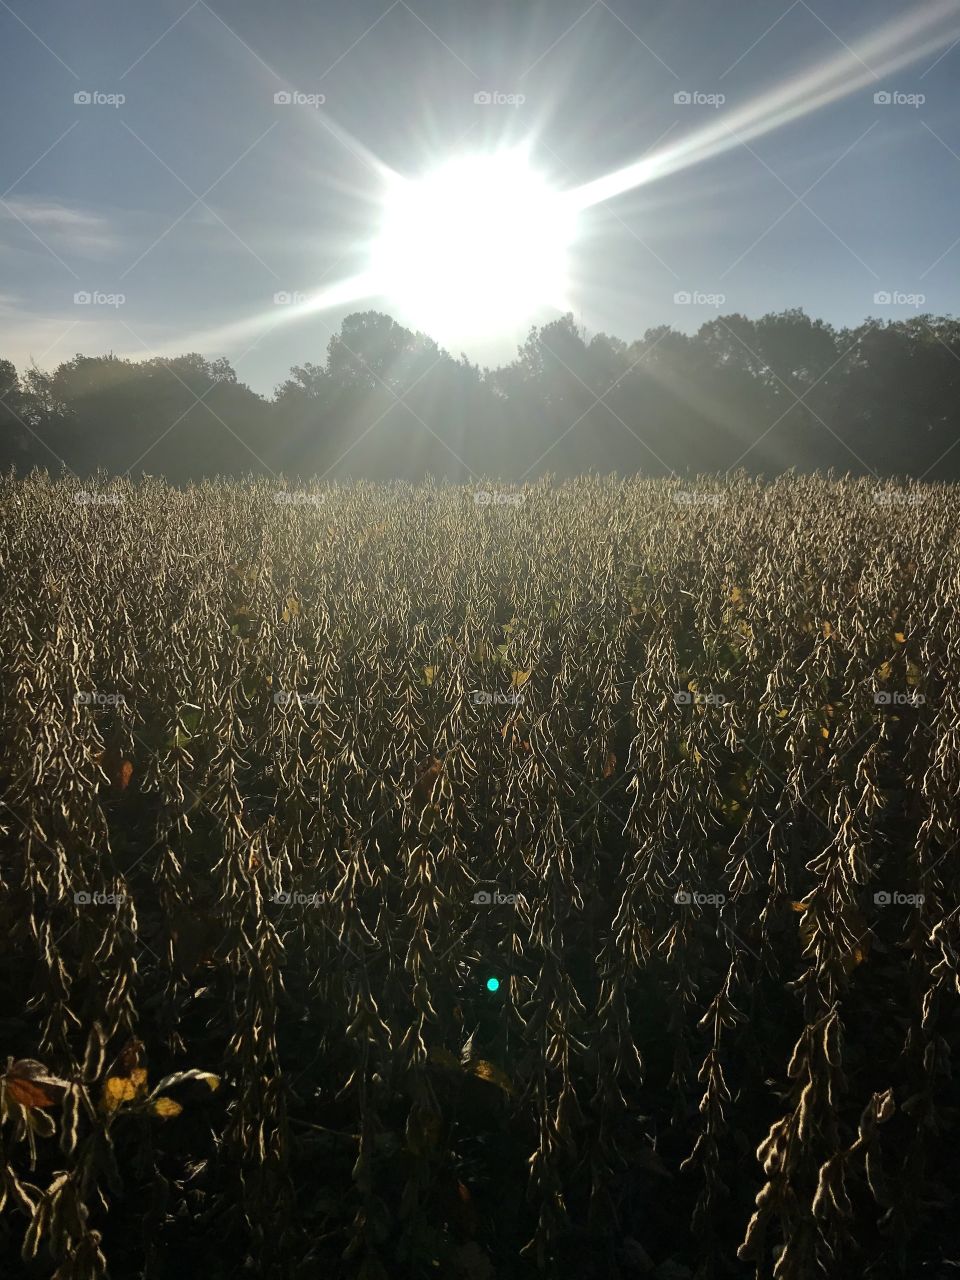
x=765 y=395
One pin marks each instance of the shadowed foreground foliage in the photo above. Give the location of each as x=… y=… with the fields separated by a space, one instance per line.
x=259 y=752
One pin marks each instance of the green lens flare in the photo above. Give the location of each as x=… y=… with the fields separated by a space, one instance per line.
x=493 y=984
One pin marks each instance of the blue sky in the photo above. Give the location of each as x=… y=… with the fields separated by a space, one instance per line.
x=198 y=198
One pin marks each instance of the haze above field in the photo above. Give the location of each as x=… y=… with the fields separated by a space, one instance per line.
x=794 y=156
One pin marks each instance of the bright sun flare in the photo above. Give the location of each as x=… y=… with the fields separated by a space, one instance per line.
x=474 y=248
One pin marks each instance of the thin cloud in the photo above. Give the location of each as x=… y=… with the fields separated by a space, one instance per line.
x=67 y=228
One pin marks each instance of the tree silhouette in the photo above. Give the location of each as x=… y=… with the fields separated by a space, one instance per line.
x=768 y=394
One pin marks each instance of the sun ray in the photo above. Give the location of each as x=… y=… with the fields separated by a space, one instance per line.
x=890 y=48
x=352 y=289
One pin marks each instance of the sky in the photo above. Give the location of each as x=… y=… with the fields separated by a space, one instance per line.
x=763 y=157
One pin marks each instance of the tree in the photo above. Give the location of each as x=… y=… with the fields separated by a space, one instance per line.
x=14 y=442
x=768 y=394
x=373 y=352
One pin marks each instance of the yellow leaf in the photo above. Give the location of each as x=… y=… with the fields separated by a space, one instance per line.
x=429 y=673
x=883 y=671
x=900 y=637
x=827 y=631
x=166 y=1108
x=492 y=1073
x=116 y=1090
x=212 y=1082
x=736 y=595
x=825 y=733
x=291 y=608
x=519 y=678
x=138 y=1077
x=799 y=906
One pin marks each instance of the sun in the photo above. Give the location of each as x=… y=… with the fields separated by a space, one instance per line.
x=475 y=248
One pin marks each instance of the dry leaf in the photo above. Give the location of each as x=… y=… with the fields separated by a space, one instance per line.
x=424 y=785
x=29 y=1083
x=130 y=1054
x=28 y=1093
